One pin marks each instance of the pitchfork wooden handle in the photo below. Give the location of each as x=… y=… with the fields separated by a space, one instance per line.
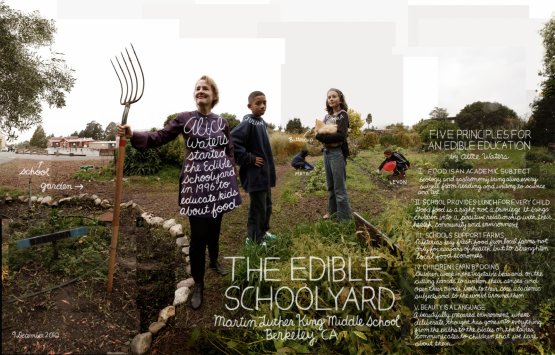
x=133 y=91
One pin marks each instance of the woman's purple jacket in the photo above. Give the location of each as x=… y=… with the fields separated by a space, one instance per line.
x=208 y=183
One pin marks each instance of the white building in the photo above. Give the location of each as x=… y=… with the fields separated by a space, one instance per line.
x=80 y=146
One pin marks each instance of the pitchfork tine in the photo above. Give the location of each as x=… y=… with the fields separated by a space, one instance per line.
x=123 y=98
x=134 y=89
x=133 y=96
x=129 y=94
x=142 y=75
x=120 y=83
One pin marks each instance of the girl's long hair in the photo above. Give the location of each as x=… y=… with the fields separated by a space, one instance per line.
x=342 y=103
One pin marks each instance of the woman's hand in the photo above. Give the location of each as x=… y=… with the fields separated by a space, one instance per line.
x=125 y=130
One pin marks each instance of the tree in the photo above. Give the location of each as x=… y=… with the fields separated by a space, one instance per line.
x=231 y=119
x=548 y=34
x=111 y=131
x=397 y=127
x=487 y=115
x=439 y=113
x=355 y=123
x=397 y=134
x=368 y=119
x=26 y=78
x=542 y=122
x=295 y=126
x=24 y=144
x=93 y=130
x=39 y=138
x=424 y=127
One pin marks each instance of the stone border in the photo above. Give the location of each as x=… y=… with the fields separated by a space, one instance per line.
x=142 y=342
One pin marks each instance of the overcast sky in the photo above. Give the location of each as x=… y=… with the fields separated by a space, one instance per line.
x=395 y=59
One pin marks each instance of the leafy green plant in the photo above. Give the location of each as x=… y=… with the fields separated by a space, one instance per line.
x=540 y=161
x=317 y=178
x=76 y=256
x=141 y=162
x=542 y=173
x=173 y=152
x=97 y=173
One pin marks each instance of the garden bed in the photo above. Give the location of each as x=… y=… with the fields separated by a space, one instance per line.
x=62 y=305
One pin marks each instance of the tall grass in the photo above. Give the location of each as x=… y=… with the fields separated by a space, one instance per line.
x=322 y=240
x=285 y=146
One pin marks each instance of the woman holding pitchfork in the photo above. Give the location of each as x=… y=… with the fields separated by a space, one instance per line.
x=208 y=184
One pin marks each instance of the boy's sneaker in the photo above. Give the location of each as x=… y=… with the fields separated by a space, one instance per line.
x=270 y=237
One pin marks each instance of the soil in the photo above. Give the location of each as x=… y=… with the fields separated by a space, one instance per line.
x=89 y=320
x=45 y=312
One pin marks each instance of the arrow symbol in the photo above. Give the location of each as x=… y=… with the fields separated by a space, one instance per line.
x=79 y=186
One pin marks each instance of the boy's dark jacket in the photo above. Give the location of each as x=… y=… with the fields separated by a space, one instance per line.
x=250 y=140
x=396 y=157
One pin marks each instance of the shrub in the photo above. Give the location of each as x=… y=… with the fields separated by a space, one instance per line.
x=402 y=139
x=540 y=156
x=455 y=161
x=314 y=150
x=172 y=153
x=387 y=140
x=141 y=162
x=413 y=140
x=368 y=140
x=354 y=148
x=540 y=171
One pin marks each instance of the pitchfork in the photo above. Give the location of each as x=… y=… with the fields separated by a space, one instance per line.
x=134 y=89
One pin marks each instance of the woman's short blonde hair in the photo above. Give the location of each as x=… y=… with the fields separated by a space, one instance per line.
x=214 y=87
